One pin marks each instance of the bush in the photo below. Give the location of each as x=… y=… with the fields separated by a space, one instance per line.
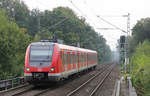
x=140 y=61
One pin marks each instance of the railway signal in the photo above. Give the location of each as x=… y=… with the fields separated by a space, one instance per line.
x=122 y=41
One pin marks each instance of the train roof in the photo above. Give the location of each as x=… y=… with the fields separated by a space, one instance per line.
x=42 y=43
x=67 y=47
x=62 y=46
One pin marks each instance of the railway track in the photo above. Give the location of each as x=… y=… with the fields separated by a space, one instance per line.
x=102 y=67
x=35 y=91
x=73 y=85
x=16 y=90
x=101 y=83
x=22 y=92
x=60 y=90
x=65 y=83
x=81 y=90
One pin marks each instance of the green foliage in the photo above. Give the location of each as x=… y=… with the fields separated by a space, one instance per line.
x=18 y=10
x=140 y=32
x=140 y=61
x=13 y=42
x=140 y=56
x=18 y=25
x=72 y=30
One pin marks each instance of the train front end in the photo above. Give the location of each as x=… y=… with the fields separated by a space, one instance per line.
x=40 y=62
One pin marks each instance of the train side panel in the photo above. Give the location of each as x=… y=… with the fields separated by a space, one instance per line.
x=66 y=60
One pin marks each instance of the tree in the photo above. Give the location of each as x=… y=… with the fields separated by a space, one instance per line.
x=18 y=22
x=72 y=30
x=140 y=32
x=18 y=10
x=13 y=43
x=139 y=56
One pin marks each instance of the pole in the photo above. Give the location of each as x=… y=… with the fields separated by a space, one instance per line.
x=127 y=44
x=128 y=31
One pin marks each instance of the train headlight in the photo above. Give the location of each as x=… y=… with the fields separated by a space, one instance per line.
x=28 y=69
x=52 y=69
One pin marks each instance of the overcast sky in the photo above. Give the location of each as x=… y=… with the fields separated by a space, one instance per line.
x=110 y=10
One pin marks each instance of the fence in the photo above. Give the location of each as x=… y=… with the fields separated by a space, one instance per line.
x=10 y=83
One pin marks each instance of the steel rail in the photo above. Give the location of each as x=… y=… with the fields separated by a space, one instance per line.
x=101 y=83
x=23 y=92
x=42 y=92
x=74 y=91
x=14 y=89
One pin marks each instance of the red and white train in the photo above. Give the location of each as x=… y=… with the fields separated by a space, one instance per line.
x=47 y=61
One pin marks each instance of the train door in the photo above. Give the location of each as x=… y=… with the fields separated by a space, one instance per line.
x=76 y=61
x=80 y=60
x=65 y=62
x=71 y=59
x=87 y=60
x=78 y=64
x=60 y=62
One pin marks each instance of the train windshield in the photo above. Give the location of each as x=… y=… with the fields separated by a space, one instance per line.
x=41 y=53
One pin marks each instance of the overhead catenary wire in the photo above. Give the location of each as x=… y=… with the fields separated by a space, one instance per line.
x=106 y=20
x=60 y=22
x=111 y=24
x=114 y=26
x=84 y=15
x=65 y=16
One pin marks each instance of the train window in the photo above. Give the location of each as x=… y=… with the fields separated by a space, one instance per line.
x=80 y=58
x=63 y=58
x=84 y=58
x=71 y=58
x=76 y=59
x=68 y=57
